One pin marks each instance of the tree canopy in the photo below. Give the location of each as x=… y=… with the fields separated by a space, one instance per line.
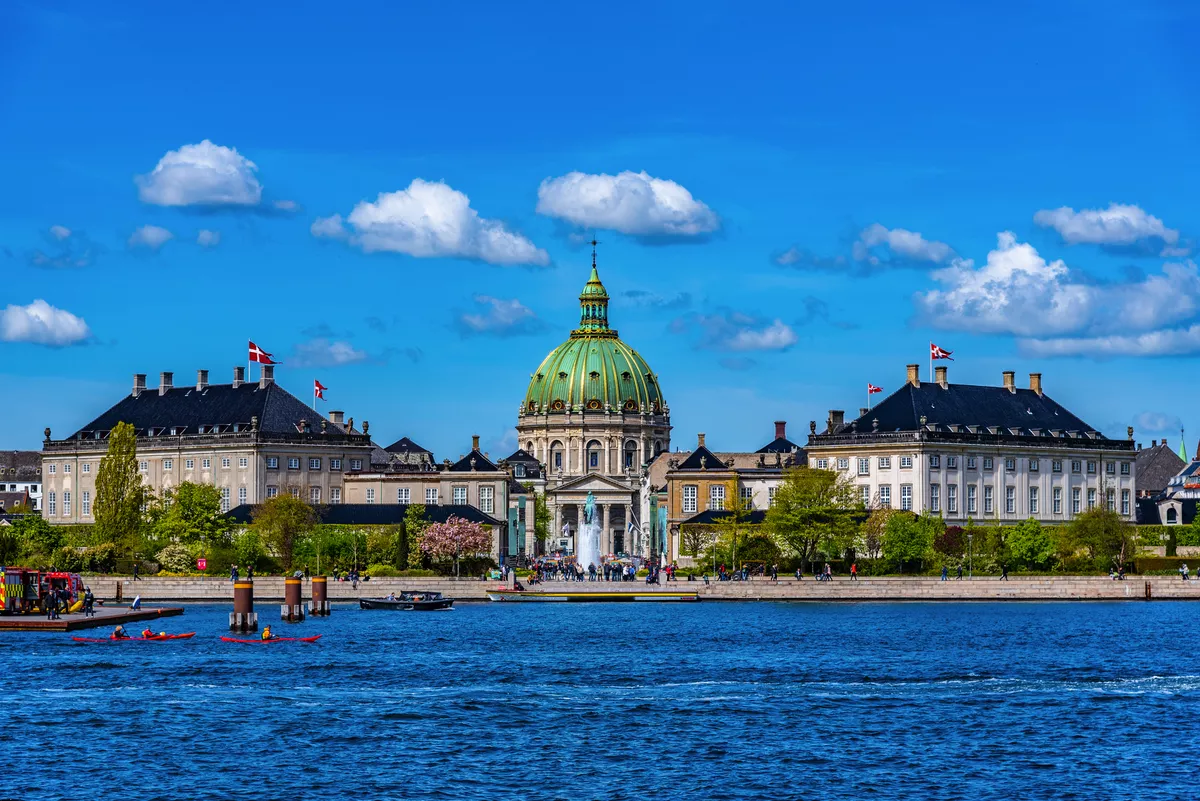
x=281 y=522
x=814 y=508
x=454 y=538
x=120 y=493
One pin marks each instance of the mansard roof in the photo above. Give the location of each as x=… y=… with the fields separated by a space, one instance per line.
x=475 y=460
x=780 y=445
x=701 y=459
x=522 y=455
x=20 y=465
x=406 y=445
x=1155 y=467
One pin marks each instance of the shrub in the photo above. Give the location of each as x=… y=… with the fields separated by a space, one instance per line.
x=382 y=571
x=176 y=558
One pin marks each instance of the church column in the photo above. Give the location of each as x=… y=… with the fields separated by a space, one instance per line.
x=556 y=526
x=629 y=536
x=606 y=541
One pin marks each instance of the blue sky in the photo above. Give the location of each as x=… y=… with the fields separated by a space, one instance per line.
x=792 y=201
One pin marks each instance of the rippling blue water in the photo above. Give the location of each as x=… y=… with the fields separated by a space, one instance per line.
x=616 y=701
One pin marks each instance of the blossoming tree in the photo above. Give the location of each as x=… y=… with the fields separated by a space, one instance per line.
x=454 y=538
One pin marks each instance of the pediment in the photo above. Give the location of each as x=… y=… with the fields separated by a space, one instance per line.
x=594 y=483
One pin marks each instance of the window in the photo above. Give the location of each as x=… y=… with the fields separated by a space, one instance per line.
x=987 y=500
x=272 y=463
x=518 y=471
x=295 y=491
x=272 y=492
x=593 y=454
x=293 y=463
x=885 y=496
x=356 y=464
x=935 y=498
x=314 y=494
x=864 y=494
x=370 y=495
x=987 y=463
x=1033 y=465
x=85 y=503
x=1010 y=463
x=403 y=495
x=1076 y=466
x=335 y=495
x=972 y=463
x=224 y=499
x=630 y=455
x=1010 y=500
x=935 y=460
x=66 y=503
x=225 y=462
x=822 y=464
x=487 y=501
x=243 y=462
x=314 y=464
x=241 y=496
x=1057 y=500
x=1091 y=467
x=142 y=466
x=1033 y=500
x=843 y=463
x=558 y=460
x=335 y=464
x=168 y=464
x=905 y=462
x=1124 y=468
x=906 y=497
x=1110 y=500
x=716 y=497
x=952 y=499
x=1125 y=499
x=1075 y=501
x=864 y=466
x=747 y=496
x=66 y=468
x=689 y=499
x=431 y=496
x=1056 y=465
x=1091 y=499
x=770 y=496
x=971 y=499
x=206 y=464
x=53 y=469
x=951 y=462
x=51 y=503
x=87 y=468
x=1110 y=468
x=458 y=496
x=885 y=463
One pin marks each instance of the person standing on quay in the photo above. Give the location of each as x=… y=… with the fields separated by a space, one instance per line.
x=959 y=577
x=1004 y=571
x=854 y=571
x=945 y=572
x=233 y=573
x=1183 y=571
x=135 y=571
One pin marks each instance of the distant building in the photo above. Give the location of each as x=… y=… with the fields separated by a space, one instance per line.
x=21 y=471
x=11 y=500
x=993 y=454
x=1155 y=466
x=250 y=440
x=1174 y=504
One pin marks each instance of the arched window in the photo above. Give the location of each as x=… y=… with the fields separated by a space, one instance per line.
x=556 y=455
x=593 y=454
x=529 y=448
x=1172 y=519
x=658 y=447
x=630 y=455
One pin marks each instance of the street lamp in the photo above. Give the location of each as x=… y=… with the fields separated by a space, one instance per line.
x=970 y=551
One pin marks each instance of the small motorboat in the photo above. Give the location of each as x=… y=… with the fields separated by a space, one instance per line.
x=409 y=602
x=273 y=639
x=156 y=638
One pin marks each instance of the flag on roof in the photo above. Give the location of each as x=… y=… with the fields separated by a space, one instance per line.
x=872 y=389
x=259 y=355
x=319 y=390
x=939 y=353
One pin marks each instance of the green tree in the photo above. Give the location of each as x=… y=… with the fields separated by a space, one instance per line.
x=248 y=546
x=37 y=537
x=1030 y=544
x=281 y=522
x=871 y=532
x=414 y=530
x=191 y=513
x=733 y=525
x=814 y=508
x=541 y=515
x=120 y=494
x=1106 y=536
x=908 y=538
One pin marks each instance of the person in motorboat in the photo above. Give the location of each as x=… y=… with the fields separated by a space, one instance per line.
x=119 y=634
x=266 y=634
x=391 y=596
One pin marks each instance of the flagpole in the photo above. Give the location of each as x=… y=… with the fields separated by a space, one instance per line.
x=930 y=376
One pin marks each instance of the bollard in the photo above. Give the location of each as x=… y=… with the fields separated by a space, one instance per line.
x=243 y=618
x=1147 y=591
x=293 y=609
x=319 y=605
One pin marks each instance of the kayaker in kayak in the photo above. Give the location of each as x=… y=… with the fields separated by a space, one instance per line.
x=119 y=633
x=147 y=633
x=267 y=635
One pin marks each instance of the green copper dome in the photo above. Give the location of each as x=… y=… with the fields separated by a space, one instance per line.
x=594 y=369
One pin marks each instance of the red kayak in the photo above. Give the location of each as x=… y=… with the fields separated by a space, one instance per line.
x=156 y=638
x=273 y=639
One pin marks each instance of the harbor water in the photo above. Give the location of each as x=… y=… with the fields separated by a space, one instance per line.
x=620 y=701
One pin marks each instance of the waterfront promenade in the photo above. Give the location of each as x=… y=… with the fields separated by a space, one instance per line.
x=1034 y=588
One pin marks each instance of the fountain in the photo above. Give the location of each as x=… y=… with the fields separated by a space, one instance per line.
x=587 y=546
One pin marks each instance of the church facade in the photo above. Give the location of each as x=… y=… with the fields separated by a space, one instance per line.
x=594 y=415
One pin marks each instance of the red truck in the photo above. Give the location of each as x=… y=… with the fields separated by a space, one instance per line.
x=27 y=590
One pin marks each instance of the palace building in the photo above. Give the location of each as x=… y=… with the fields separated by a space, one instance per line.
x=593 y=415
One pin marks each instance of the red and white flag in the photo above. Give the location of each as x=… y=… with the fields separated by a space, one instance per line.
x=259 y=355
x=872 y=389
x=319 y=390
x=939 y=353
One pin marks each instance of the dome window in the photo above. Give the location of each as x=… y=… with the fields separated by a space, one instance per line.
x=625 y=376
x=558 y=406
x=594 y=375
x=631 y=405
x=562 y=375
x=533 y=406
x=539 y=376
x=594 y=403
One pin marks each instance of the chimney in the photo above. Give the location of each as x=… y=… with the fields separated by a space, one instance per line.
x=1010 y=381
x=139 y=384
x=201 y=379
x=699 y=440
x=474 y=442
x=1035 y=382
x=862 y=411
x=336 y=417
x=836 y=418
x=267 y=376
x=165 y=381
x=1153 y=443
x=780 y=429
x=939 y=375
x=914 y=375
x=239 y=376
x=1139 y=446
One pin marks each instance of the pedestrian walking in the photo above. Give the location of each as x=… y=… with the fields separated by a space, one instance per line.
x=233 y=573
x=136 y=577
x=854 y=571
x=1183 y=571
x=944 y=572
x=1004 y=571
x=959 y=577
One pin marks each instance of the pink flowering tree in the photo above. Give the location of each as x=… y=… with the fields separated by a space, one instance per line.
x=454 y=538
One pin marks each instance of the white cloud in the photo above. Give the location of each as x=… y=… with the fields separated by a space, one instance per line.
x=632 y=203
x=500 y=317
x=1166 y=342
x=208 y=239
x=734 y=331
x=429 y=220
x=201 y=175
x=901 y=244
x=322 y=352
x=286 y=205
x=60 y=232
x=42 y=324
x=1117 y=225
x=66 y=249
x=1156 y=422
x=149 y=236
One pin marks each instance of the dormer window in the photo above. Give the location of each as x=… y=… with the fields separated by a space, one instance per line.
x=562 y=375
x=593 y=375
x=625 y=376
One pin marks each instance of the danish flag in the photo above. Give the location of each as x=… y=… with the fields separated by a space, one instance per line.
x=259 y=355
x=872 y=389
x=939 y=353
x=319 y=390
